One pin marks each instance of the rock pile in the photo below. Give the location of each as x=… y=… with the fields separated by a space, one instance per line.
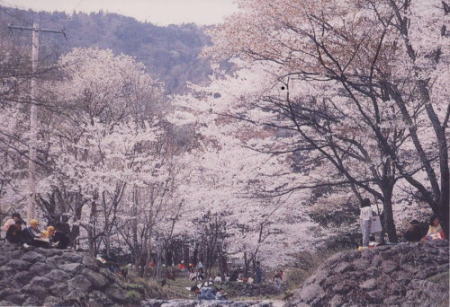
x=401 y=275
x=197 y=303
x=38 y=276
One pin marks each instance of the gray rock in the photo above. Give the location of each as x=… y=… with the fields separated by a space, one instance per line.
x=203 y=303
x=33 y=257
x=388 y=266
x=33 y=301
x=80 y=283
x=40 y=268
x=5 y=272
x=361 y=264
x=57 y=260
x=16 y=299
x=58 y=275
x=59 y=289
x=116 y=293
x=19 y=265
x=97 y=279
x=376 y=261
x=344 y=287
x=99 y=298
x=90 y=262
x=22 y=278
x=343 y=267
x=3 y=260
x=74 y=297
x=376 y=296
x=380 y=276
x=50 y=277
x=311 y=293
x=107 y=273
x=369 y=284
x=35 y=291
x=52 y=301
x=337 y=300
x=5 y=292
x=48 y=252
x=41 y=281
x=72 y=257
x=70 y=267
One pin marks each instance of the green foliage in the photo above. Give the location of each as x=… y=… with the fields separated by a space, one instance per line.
x=134 y=296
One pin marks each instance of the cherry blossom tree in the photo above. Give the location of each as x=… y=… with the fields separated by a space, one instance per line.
x=344 y=58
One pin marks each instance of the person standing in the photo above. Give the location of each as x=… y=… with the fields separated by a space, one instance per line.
x=258 y=273
x=365 y=221
x=278 y=279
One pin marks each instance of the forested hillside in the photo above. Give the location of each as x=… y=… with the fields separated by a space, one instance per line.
x=171 y=53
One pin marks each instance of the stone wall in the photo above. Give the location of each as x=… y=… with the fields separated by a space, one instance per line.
x=406 y=274
x=38 y=276
x=202 y=303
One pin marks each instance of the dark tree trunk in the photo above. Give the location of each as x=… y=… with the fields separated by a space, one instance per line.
x=388 y=222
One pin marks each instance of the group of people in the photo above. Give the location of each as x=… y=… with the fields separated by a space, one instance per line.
x=208 y=292
x=18 y=232
x=419 y=232
x=415 y=233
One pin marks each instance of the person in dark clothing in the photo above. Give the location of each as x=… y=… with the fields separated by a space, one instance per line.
x=60 y=239
x=234 y=275
x=415 y=231
x=15 y=217
x=14 y=234
x=258 y=273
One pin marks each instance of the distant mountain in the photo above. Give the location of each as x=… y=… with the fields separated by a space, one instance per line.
x=171 y=52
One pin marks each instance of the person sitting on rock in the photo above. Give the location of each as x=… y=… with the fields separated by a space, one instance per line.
x=15 y=217
x=33 y=230
x=415 y=231
x=435 y=231
x=195 y=290
x=60 y=238
x=32 y=235
x=221 y=295
x=15 y=235
x=207 y=293
x=48 y=233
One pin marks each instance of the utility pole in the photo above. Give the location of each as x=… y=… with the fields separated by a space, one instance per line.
x=34 y=124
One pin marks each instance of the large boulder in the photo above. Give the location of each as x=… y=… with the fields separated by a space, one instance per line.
x=53 y=277
x=406 y=274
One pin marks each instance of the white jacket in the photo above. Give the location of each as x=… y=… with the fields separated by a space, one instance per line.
x=366 y=213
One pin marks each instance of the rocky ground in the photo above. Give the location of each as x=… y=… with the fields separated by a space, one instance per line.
x=50 y=277
x=196 y=303
x=407 y=274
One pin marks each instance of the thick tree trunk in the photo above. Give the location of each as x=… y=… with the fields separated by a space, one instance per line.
x=444 y=201
x=388 y=222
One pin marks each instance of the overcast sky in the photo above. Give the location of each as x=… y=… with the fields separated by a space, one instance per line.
x=161 y=12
